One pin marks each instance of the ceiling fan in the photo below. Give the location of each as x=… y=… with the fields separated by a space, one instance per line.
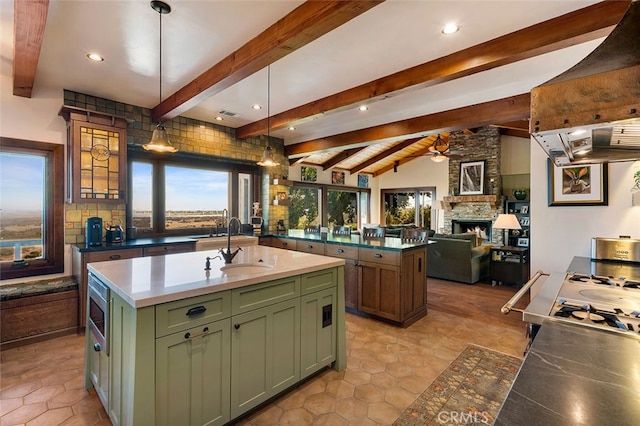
x=440 y=149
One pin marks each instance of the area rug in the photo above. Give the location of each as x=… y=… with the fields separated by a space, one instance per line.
x=470 y=391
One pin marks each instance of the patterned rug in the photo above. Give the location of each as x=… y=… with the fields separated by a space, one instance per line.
x=470 y=391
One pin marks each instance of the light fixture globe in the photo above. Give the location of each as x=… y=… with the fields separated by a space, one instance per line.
x=160 y=141
x=438 y=158
x=267 y=158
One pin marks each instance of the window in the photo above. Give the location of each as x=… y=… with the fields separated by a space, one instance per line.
x=314 y=204
x=32 y=208
x=185 y=196
x=407 y=207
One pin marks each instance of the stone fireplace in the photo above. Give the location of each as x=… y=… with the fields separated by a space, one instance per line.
x=464 y=212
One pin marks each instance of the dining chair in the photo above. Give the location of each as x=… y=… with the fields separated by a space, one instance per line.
x=341 y=231
x=373 y=232
x=312 y=229
x=414 y=235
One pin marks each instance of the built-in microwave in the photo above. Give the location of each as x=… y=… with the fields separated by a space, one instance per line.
x=98 y=313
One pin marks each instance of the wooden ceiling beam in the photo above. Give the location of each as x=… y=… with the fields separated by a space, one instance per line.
x=384 y=154
x=29 y=20
x=340 y=157
x=478 y=115
x=518 y=133
x=573 y=28
x=296 y=161
x=404 y=160
x=303 y=25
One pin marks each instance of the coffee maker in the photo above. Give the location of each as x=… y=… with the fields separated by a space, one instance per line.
x=93 y=233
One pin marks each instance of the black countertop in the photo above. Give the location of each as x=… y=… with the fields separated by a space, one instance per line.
x=137 y=243
x=575 y=375
x=388 y=243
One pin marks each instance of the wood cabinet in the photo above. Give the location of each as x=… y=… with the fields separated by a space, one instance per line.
x=211 y=358
x=509 y=265
x=80 y=259
x=97 y=156
x=384 y=283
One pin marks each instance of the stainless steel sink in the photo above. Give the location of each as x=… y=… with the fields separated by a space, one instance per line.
x=246 y=268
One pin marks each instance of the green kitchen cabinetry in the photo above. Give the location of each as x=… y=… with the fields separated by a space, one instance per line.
x=265 y=348
x=208 y=359
x=193 y=377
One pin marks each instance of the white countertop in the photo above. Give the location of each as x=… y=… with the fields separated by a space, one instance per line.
x=147 y=281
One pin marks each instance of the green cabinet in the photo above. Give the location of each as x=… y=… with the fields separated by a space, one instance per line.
x=193 y=377
x=98 y=362
x=318 y=331
x=265 y=348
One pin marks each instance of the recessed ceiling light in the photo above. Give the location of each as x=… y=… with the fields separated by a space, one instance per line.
x=256 y=106
x=363 y=108
x=218 y=118
x=450 y=28
x=292 y=128
x=95 y=57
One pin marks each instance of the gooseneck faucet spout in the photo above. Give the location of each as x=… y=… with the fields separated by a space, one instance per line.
x=229 y=255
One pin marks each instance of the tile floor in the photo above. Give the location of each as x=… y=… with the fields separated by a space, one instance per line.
x=387 y=367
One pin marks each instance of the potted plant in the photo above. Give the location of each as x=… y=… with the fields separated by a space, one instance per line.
x=520 y=193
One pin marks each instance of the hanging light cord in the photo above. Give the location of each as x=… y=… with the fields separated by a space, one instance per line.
x=268 y=102
x=160 y=13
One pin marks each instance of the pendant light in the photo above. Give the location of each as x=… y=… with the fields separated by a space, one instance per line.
x=267 y=159
x=160 y=140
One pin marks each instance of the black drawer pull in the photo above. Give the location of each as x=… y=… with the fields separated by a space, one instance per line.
x=284 y=243
x=340 y=251
x=378 y=255
x=97 y=347
x=196 y=310
x=205 y=331
x=309 y=246
x=236 y=326
x=114 y=257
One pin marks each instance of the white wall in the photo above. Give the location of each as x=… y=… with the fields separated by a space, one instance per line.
x=417 y=173
x=559 y=233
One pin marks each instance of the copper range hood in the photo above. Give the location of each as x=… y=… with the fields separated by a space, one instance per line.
x=591 y=112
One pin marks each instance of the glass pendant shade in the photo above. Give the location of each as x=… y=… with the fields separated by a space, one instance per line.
x=438 y=158
x=160 y=141
x=267 y=158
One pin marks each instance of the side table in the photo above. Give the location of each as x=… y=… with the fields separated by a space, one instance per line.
x=509 y=265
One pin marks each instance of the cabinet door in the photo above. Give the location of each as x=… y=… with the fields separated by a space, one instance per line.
x=379 y=290
x=265 y=354
x=98 y=363
x=318 y=331
x=192 y=376
x=351 y=283
x=414 y=279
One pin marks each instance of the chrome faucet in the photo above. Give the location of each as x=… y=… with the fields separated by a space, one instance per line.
x=229 y=255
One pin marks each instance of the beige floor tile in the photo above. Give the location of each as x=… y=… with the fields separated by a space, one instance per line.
x=23 y=414
x=52 y=417
x=320 y=403
x=383 y=413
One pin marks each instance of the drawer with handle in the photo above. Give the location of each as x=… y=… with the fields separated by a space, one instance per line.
x=386 y=257
x=343 y=252
x=101 y=256
x=310 y=247
x=192 y=312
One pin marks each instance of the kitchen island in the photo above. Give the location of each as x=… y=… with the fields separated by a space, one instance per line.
x=191 y=340
x=385 y=278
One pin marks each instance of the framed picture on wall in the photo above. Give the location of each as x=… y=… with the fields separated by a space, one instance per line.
x=582 y=185
x=472 y=178
x=337 y=178
x=363 y=181
x=523 y=242
x=308 y=174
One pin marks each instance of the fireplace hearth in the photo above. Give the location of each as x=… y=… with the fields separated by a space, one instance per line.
x=482 y=228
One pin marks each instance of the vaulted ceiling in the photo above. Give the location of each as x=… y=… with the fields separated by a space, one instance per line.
x=311 y=64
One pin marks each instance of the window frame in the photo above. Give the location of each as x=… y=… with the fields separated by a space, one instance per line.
x=325 y=188
x=416 y=191
x=187 y=160
x=54 y=189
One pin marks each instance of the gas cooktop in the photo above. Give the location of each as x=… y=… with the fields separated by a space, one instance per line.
x=597 y=301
